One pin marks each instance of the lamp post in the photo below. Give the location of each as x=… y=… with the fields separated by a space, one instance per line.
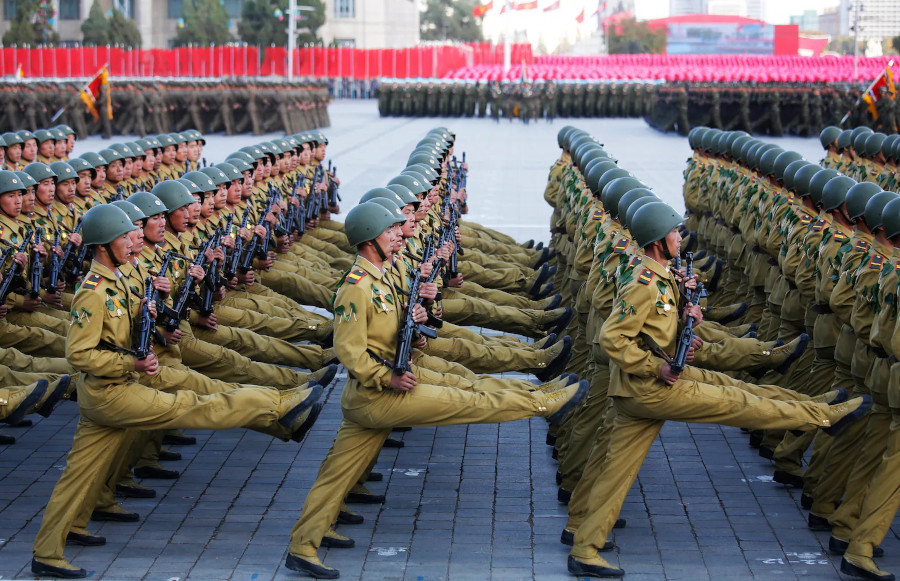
x=292 y=13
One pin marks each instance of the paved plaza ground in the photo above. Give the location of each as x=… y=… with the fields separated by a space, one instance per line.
x=463 y=502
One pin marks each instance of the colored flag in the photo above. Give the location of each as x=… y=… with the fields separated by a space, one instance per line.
x=524 y=77
x=554 y=6
x=19 y=73
x=480 y=11
x=873 y=94
x=527 y=5
x=90 y=94
x=601 y=9
x=580 y=18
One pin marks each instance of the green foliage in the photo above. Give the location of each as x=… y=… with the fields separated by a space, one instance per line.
x=31 y=25
x=123 y=31
x=205 y=24
x=895 y=43
x=95 y=29
x=98 y=30
x=260 y=26
x=843 y=45
x=450 y=20
x=632 y=37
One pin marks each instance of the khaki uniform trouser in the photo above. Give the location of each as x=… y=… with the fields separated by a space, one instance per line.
x=472 y=312
x=18 y=361
x=481 y=358
x=639 y=419
x=369 y=415
x=32 y=340
x=262 y=348
x=505 y=279
x=296 y=287
x=450 y=330
x=220 y=363
x=334 y=237
x=883 y=497
x=107 y=416
x=241 y=313
x=498 y=297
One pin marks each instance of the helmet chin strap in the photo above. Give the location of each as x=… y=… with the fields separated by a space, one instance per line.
x=380 y=252
x=112 y=255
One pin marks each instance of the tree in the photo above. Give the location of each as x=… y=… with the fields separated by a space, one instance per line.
x=450 y=20
x=895 y=44
x=264 y=22
x=98 y=30
x=203 y=23
x=843 y=45
x=32 y=24
x=629 y=36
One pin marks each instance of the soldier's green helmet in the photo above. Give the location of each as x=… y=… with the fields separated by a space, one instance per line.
x=560 y=135
x=607 y=177
x=737 y=146
x=817 y=184
x=634 y=207
x=173 y=195
x=418 y=176
x=12 y=138
x=614 y=190
x=829 y=135
x=80 y=164
x=217 y=176
x=653 y=222
x=124 y=149
x=887 y=147
x=201 y=179
x=134 y=213
x=10 y=182
x=43 y=135
x=66 y=129
x=597 y=171
x=391 y=207
x=845 y=139
x=791 y=169
x=590 y=164
x=767 y=161
x=428 y=173
x=835 y=191
x=240 y=163
x=94 y=158
x=890 y=219
x=192 y=188
x=590 y=154
x=63 y=171
x=383 y=193
x=425 y=158
x=27 y=180
x=784 y=160
x=230 y=171
x=367 y=222
x=39 y=171
x=857 y=198
x=403 y=192
x=26 y=135
x=412 y=184
x=803 y=176
x=149 y=203
x=104 y=223
x=858 y=140
x=873 y=143
x=873 y=214
x=111 y=155
x=2 y=141
x=628 y=199
x=695 y=136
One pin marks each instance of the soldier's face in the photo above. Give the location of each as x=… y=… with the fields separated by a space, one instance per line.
x=115 y=171
x=247 y=185
x=221 y=196
x=100 y=177
x=46 y=190
x=83 y=185
x=194 y=211
x=47 y=148
x=127 y=168
x=208 y=205
x=181 y=153
x=65 y=191
x=137 y=240
x=178 y=220
x=149 y=159
x=2 y=155
x=168 y=156
x=29 y=151
x=193 y=151
x=673 y=242
x=28 y=198
x=259 y=171
x=70 y=143
x=234 y=192
x=305 y=155
x=408 y=228
x=121 y=248
x=320 y=152
x=14 y=152
x=155 y=229
x=11 y=203
x=137 y=167
x=61 y=149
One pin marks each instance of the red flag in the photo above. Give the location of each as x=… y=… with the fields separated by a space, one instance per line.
x=480 y=11
x=580 y=18
x=90 y=94
x=600 y=10
x=554 y=6
x=873 y=94
x=527 y=5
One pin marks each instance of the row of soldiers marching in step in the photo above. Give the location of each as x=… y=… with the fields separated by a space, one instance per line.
x=793 y=253
x=177 y=302
x=526 y=100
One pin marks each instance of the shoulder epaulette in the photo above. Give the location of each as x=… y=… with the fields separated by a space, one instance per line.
x=634 y=261
x=805 y=219
x=820 y=223
x=839 y=236
x=598 y=215
x=861 y=246
x=92 y=282
x=646 y=276
x=355 y=276
x=621 y=245
x=877 y=261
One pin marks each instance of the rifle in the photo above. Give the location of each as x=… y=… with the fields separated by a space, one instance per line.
x=74 y=270
x=37 y=270
x=179 y=309
x=119 y=195
x=687 y=336
x=257 y=241
x=212 y=280
x=333 y=195
x=69 y=249
x=146 y=325
x=232 y=260
x=315 y=199
x=53 y=267
x=410 y=327
x=13 y=275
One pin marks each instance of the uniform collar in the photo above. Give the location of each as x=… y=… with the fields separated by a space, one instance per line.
x=103 y=271
x=370 y=268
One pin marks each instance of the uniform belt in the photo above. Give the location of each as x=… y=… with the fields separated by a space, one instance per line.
x=107 y=346
x=381 y=360
x=821 y=308
x=879 y=352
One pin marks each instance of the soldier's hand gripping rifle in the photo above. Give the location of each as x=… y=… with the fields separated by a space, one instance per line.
x=12 y=278
x=333 y=195
x=410 y=328
x=687 y=333
x=256 y=242
x=156 y=296
x=53 y=267
x=69 y=252
x=36 y=271
x=233 y=258
x=179 y=310
x=146 y=325
x=212 y=281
